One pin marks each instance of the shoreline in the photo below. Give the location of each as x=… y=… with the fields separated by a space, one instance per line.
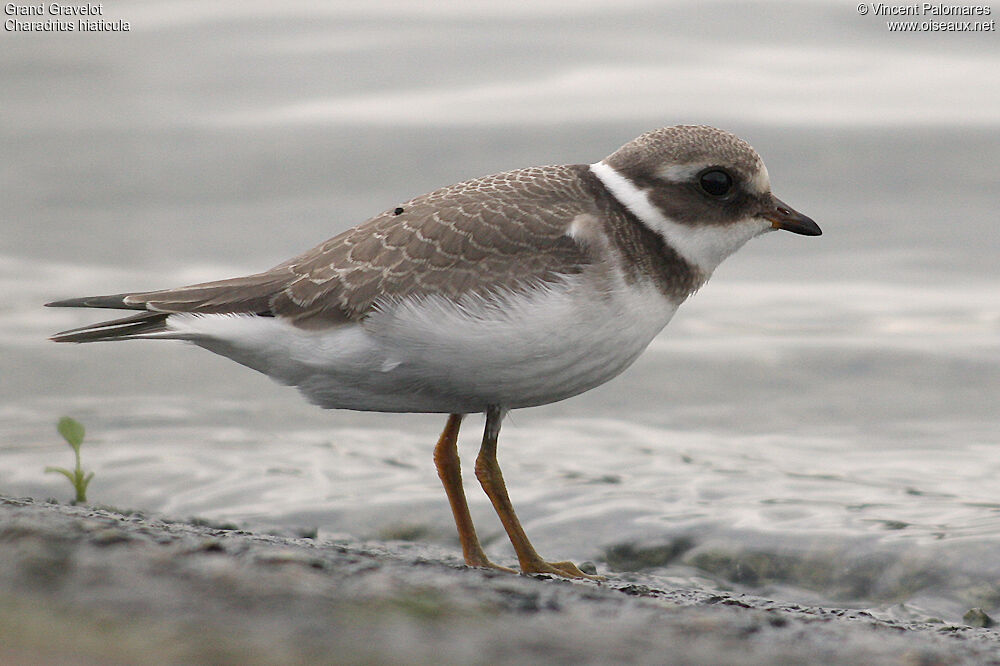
x=89 y=585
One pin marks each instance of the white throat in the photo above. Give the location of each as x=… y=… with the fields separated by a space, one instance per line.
x=703 y=246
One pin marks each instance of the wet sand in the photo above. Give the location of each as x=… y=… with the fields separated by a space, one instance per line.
x=86 y=586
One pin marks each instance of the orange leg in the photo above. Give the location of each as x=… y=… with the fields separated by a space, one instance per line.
x=489 y=475
x=449 y=469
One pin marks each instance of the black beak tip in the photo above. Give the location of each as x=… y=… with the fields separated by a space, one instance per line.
x=807 y=227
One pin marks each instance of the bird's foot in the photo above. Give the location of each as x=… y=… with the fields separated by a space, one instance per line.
x=564 y=569
x=483 y=562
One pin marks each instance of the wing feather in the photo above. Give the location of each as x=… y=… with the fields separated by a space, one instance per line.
x=481 y=236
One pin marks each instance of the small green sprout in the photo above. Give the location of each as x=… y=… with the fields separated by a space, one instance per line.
x=72 y=431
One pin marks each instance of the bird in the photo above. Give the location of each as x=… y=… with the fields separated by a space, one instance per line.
x=503 y=292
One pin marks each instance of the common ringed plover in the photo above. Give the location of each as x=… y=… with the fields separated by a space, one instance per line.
x=508 y=291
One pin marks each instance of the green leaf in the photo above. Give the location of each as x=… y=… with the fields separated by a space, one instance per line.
x=65 y=472
x=72 y=431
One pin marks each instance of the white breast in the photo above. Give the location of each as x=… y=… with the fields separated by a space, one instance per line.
x=435 y=355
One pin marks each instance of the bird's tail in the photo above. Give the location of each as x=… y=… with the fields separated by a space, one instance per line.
x=142 y=325
x=243 y=295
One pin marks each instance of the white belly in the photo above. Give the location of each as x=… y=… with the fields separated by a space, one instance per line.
x=433 y=355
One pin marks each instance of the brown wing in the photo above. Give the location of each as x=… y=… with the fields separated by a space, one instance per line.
x=507 y=229
x=473 y=237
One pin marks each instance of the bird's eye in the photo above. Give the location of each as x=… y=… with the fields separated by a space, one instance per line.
x=716 y=182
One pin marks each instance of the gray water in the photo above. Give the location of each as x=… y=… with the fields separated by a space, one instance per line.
x=818 y=424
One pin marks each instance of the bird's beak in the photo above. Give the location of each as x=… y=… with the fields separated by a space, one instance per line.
x=783 y=216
